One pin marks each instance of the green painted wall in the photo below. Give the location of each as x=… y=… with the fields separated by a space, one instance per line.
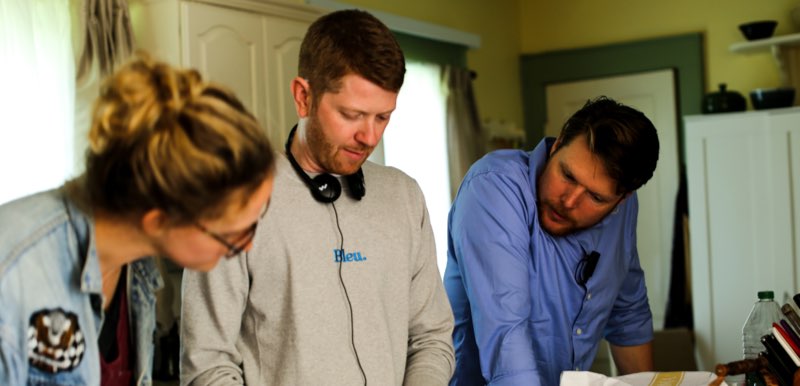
x=683 y=54
x=429 y=50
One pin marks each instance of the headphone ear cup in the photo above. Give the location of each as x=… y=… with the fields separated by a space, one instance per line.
x=355 y=182
x=325 y=188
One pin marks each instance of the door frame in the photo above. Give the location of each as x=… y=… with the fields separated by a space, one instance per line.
x=655 y=225
x=684 y=53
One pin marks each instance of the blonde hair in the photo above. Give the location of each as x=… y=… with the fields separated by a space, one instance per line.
x=161 y=138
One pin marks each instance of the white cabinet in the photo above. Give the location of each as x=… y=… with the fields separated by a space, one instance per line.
x=743 y=174
x=251 y=46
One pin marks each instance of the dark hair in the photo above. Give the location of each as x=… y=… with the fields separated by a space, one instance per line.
x=350 y=42
x=161 y=138
x=624 y=139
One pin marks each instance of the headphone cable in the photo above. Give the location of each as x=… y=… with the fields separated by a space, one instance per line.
x=347 y=297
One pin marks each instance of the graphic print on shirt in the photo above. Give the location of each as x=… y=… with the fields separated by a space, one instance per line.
x=340 y=257
x=55 y=340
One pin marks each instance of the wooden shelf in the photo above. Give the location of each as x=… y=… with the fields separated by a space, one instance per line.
x=786 y=51
x=775 y=41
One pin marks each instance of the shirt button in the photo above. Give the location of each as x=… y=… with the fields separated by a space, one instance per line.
x=579 y=331
x=589 y=296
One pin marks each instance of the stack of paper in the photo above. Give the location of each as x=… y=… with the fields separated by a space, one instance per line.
x=675 y=378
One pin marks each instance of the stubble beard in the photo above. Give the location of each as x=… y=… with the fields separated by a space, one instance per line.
x=325 y=152
x=563 y=228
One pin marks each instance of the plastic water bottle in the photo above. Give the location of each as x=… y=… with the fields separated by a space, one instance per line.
x=759 y=323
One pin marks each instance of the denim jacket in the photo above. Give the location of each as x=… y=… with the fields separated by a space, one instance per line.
x=51 y=296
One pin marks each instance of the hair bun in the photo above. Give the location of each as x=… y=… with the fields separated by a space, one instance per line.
x=173 y=89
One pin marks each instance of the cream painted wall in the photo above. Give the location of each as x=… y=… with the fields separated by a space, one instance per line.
x=557 y=25
x=497 y=22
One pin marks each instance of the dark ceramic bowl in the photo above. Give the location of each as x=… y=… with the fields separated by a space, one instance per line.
x=771 y=98
x=758 y=29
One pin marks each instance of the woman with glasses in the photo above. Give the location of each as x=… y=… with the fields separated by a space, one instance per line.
x=177 y=168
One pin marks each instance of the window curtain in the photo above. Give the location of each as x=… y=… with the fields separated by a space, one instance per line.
x=108 y=36
x=106 y=40
x=465 y=139
x=415 y=142
x=37 y=75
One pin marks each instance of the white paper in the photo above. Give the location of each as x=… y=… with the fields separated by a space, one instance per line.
x=676 y=378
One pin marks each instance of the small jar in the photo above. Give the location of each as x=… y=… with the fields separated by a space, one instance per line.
x=723 y=101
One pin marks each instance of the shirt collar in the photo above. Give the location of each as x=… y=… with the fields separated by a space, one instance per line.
x=538 y=159
x=91 y=278
x=83 y=237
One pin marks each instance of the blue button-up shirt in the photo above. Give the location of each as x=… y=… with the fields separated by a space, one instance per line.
x=521 y=318
x=51 y=296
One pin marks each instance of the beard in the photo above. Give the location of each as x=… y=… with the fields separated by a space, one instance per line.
x=326 y=153
x=565 y=226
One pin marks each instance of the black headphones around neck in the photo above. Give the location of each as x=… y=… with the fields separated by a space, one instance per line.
x=325 y=187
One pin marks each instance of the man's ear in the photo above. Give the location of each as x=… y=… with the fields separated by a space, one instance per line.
x=621 y=200
x=624 y=197
x=301 y=92
x=555 y=146
x=154 y=221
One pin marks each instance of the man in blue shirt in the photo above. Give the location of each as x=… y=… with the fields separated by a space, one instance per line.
x=542 y=260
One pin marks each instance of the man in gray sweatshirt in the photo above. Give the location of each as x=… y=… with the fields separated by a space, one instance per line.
x=341 y=285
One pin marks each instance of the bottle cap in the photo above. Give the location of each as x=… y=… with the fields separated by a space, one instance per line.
x=762 y=295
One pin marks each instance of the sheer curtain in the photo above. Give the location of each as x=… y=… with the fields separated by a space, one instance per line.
x=37 y=75
x=465 y=140
x=434 y=136
x=415 y=142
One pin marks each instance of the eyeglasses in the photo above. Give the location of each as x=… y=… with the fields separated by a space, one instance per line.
x=238 y=245
x=585 y=268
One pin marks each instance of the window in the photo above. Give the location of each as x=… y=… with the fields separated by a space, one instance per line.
x=37 y=97
x=415 y=142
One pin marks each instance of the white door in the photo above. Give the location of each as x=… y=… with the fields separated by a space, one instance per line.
x=652 y=93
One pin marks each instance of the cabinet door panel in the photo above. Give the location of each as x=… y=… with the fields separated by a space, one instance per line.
x=786 y=140
x=282 y=49
x=227 y=46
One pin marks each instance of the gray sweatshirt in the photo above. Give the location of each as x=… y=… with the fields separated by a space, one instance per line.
x=279 y=315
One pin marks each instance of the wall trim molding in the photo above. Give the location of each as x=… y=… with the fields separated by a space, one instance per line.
x=684 y=53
